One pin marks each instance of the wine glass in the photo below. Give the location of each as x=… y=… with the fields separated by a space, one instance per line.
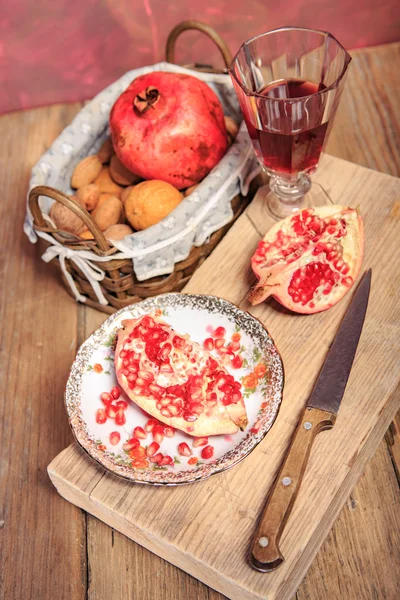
x=288 y=83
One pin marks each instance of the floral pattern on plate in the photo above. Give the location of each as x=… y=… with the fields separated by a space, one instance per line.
x=129 y=443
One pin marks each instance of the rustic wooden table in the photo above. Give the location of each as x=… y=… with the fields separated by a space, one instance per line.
x=49 y=549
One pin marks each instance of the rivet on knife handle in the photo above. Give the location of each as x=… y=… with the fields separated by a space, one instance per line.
x=265 y=553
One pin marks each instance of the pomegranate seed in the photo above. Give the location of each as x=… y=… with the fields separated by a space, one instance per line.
x=165 y=351
x=221 y=379
x=156 y=390
x=157 y=458
x=178 y=342
x=131 y=444
x=167 y=460
x=189 y=417
x=175 y=410
x=225 y=350
x=101 y=416
x=158 y=433
x=169 y=431
x=165 y=412
x=347 y=281
x=111 y=411
x=237 y=361
x=213 y=365
x=193 y=461
x=345 y=269
x=151 y=423
x=132 y=377
x=184 y=449
x=236 y=397
x=177 y=402
x=139 y=433
x=208 y=344
x=146 y=375
x=106 y=398
x=219 y=332
x=122 y=404
x=338 y=264
x=234 y=346
x=201 y=441
x=115 y=437
x=120 y=418
x=152 y=449
x=116 y=392
x=219 y=343
x=207 y=452
x=236 y=337
x=123 y=354
x=148 y=321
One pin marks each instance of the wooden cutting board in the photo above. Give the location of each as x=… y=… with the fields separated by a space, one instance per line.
x=206 y=528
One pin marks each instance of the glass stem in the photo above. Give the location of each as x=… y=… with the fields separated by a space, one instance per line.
x=291 y=192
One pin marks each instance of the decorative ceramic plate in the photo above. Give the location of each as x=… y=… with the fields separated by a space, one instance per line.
x=257 y=366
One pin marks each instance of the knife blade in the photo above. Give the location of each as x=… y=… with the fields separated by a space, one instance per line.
x=331 y=383
x=319 y=415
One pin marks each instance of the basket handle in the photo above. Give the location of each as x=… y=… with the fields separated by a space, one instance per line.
x=44 y=190
x=185 y=26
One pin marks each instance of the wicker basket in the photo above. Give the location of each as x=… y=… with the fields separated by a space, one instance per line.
x=120 y=286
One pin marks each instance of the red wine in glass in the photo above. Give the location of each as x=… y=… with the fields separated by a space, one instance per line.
x=291 y=152
x=289 y=113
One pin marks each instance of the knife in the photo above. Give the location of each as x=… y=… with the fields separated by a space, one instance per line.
x=319 y=415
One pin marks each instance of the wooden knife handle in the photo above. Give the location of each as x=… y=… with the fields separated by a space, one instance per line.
x=265 y=553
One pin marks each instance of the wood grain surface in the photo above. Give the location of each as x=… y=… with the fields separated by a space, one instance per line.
x=207 y=531
x=49 y=549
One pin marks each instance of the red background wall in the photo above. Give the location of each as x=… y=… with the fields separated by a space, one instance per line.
x=65 y=50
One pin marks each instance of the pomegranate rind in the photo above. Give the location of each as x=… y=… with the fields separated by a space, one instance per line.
x=276 y=273
x=215 y=420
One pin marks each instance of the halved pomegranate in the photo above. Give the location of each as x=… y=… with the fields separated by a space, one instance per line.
x=180 y=384
x=310 y=260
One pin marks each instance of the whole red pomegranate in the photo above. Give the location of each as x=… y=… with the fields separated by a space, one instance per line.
x=169 y=126
x=310 y=260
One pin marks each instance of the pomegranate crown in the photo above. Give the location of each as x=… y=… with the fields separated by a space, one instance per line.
x=146 y=99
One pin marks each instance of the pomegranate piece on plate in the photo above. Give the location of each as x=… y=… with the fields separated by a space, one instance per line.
x=310 y=260
x=176 y=380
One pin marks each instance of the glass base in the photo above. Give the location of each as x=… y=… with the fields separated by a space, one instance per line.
x=286 y=198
